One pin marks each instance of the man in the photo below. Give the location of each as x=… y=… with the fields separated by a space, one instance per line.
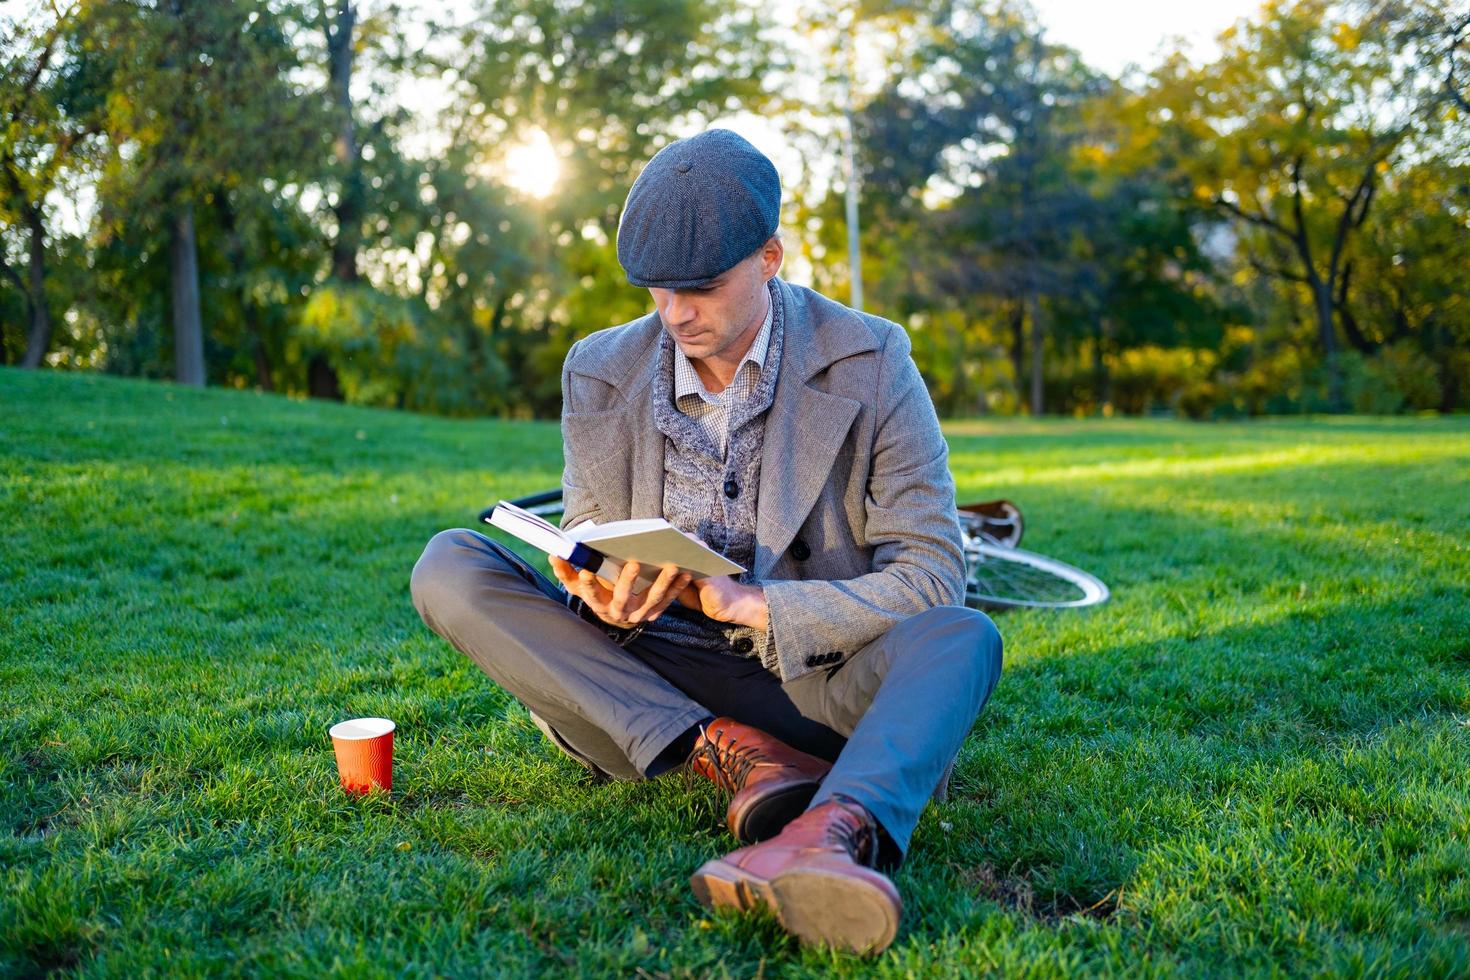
x=829 y=686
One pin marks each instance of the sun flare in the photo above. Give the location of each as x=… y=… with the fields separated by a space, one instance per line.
x=532 y=167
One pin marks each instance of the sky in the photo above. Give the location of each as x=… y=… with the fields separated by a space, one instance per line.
x=1112 y=35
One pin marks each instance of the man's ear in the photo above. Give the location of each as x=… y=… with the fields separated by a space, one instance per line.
x=773 y=253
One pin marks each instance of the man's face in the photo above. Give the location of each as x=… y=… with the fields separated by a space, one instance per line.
x=722 y=317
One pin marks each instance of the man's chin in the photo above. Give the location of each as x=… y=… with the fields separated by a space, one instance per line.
x=696 y=346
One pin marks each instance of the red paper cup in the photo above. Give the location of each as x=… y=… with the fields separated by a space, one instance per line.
x=364 y=754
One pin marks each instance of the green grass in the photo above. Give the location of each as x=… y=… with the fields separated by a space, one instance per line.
x=1254 y=759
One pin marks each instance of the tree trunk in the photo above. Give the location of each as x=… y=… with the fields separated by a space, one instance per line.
x=38 y=340
x=188 y=327
x=1036 y=392
x=321 y=378
x=1018 y=344
x=1350 y=328
x=1449 y=376
x=1327 y=335
x=1099 y=366
x=958 y=389
x=235 y=250
x=348 y=209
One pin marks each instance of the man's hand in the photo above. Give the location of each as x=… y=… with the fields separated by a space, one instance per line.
x=724 y=599
x=621 y=605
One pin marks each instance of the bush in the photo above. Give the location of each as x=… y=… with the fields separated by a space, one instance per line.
x=1407 y=370
x=394 y=352
x=1179 y=378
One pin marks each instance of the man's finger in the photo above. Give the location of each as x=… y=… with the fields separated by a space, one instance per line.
x=689 y=595
x=654 y=599
x=563 y=570
x=590 y=588
x=569 y=575
x=623 y=594
x=670 y=595
x=566 y=574
x=594 y=592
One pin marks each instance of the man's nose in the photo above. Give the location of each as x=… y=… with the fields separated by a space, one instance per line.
x=678 y=309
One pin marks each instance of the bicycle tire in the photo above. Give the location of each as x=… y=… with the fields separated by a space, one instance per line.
x=997 y=576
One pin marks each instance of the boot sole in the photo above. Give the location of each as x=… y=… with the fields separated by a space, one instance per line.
x=766 y=817
x=817 y=907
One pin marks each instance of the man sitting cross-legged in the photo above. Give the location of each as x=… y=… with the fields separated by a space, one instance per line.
x=830 y=686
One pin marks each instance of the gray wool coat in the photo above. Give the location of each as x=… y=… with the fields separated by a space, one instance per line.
x=856 y=526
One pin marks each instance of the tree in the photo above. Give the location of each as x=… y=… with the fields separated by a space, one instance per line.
x=1407 y=305
x=338 y=26
x=48 y=132
x=1290 y=134
x=991 y=115
x=608 y=84
x=1142 y=278
x=200 y=100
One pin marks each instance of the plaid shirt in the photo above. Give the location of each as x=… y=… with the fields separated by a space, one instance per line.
x=710 y=410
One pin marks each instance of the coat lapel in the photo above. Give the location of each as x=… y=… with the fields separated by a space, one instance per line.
x=627 y=477
x=806 y=426
x=809 y=426
x=628 y=482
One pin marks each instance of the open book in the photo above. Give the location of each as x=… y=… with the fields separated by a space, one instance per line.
x=603 y=548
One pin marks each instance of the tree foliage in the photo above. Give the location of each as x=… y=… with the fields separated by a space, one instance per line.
x=265 y=200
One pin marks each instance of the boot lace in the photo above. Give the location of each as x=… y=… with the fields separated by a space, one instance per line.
x=857 y=832
x=730 y=762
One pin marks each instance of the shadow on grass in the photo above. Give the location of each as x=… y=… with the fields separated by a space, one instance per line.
x=1082 y=765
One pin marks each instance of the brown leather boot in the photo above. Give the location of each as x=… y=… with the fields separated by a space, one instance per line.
x=772 y=782
x=816 y=875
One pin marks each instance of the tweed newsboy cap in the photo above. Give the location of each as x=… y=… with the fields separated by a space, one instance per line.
x=700 y=206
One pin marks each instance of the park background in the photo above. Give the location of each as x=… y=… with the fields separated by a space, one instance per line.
x=416 y=205
x=1251 y=760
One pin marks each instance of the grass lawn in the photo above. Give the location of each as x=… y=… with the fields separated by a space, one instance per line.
x=1255 y=759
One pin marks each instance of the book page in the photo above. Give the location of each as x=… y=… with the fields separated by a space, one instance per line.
x=659 y=543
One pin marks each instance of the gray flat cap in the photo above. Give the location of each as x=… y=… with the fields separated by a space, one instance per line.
x=699 y=207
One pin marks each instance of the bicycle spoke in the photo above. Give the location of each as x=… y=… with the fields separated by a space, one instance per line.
x=1021 y=582
x=1003 y=576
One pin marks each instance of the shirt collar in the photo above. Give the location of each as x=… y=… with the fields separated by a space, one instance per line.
x=686 y=378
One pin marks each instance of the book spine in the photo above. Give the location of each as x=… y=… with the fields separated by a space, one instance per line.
x=585 y=557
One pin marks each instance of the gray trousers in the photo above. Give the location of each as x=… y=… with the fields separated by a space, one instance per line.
x=891 y=718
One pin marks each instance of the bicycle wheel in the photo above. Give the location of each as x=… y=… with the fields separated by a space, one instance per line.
x=998 y=576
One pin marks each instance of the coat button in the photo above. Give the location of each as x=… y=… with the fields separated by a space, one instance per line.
x=743 y=645
x=811 y=660
x=799 y=550
x=732 y=489
x=834 y=656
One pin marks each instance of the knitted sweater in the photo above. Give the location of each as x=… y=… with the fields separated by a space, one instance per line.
x=715 y=498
